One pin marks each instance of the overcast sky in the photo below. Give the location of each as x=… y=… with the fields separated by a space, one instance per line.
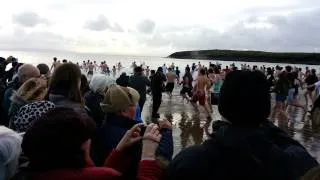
x=159 y=27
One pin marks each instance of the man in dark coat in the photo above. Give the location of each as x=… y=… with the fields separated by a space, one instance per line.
x=123 y=80
x=244 y=144
x=157 y=87
x=140 y=82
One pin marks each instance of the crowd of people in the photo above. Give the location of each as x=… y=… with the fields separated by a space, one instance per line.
x=58 y=125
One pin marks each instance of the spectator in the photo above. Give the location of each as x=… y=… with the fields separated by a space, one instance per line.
x=94 y=97
x=25 y=72
x=64 y=88
x=12 y=71
x=270 y=78
x=3 y=85
x=310 y=80
x=140 y=82
x=10 y=149
x=120 y=105
x=29 y=113
x=44 y=70
x=84 y=88
x=123 y=80
x=245 y=144
x=55 y=152
x=35 y=89
x=157 y=87
x=178 y=74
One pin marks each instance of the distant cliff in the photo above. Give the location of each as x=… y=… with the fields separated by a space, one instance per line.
x=250 y=56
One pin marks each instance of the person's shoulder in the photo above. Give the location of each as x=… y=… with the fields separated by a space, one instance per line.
x=197 y=154
x=192 y=162
x=100 y=173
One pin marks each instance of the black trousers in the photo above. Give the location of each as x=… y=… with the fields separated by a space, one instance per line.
x=156 y=98
x=141 y=103
x=316 y=104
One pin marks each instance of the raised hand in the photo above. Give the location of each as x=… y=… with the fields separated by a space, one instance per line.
x=132 y=136
x=165 y=124
x=151 y=139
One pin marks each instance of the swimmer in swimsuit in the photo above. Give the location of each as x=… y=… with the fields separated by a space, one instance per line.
x=203 y=84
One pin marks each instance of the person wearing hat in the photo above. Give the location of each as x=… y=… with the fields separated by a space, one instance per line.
x=245 y=143
x=157 y=87
x=120 y=104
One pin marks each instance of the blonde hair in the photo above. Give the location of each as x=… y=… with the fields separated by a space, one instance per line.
x=33 y=89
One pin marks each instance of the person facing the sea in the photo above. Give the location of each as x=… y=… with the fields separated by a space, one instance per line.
x=10 y=150
x=187 y=80
x=164 y=68
x=91 y=68
x=58 y=146
x=114 y=71
x=281 y=89
x=244 y=144
x=120 y=104
x=139 y=82
x=200 y=90
x=147 y=71
x=65 y=88
x=310 y=80
x=54 y=64
x=33 y=90
x=171 y=77
x=98 y=84
x=177 y=71
x=157 y=87
x=25 y=72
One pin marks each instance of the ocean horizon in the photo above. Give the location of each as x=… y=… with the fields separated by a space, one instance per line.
x=36 y=57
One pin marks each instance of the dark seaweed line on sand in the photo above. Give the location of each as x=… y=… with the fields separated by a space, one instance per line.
x=250 y=56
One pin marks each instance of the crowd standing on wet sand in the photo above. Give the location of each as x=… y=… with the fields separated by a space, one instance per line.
x=57 y=125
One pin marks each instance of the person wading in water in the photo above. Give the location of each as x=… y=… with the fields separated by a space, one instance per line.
x=199 y=91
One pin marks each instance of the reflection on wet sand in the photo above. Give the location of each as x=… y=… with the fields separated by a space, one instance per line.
x=191 y=127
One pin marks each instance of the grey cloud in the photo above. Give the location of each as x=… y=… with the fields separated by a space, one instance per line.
x=33 y=40
x=48 y=41
x=295 y=32
x=99 y=24
x=146 y=26
x=28 y=19
x=117 y=28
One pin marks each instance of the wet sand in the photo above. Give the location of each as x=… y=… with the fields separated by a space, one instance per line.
x=190 y=127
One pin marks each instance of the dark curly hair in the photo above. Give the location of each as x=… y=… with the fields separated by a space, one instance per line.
x=245 y=98
x=55 y=140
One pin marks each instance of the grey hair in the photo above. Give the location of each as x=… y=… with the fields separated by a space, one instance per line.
x=10 y=150
x=100 y=82
x=25 y=69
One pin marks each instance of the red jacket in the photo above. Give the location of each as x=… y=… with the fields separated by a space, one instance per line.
x=116 y=162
